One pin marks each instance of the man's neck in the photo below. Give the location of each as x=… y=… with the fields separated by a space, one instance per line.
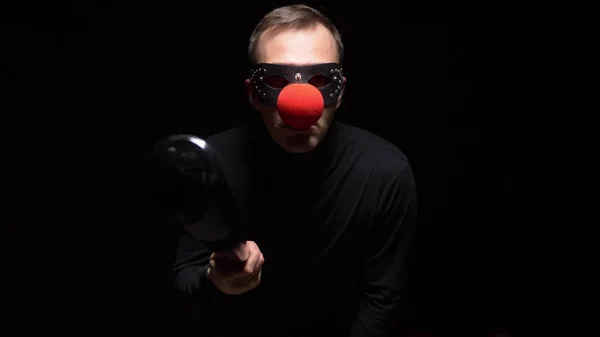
x=271 y=159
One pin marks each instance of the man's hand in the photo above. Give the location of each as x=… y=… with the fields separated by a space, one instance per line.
x=237 y=271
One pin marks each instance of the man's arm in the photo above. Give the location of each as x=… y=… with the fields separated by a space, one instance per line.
x=191 y=263
x=199 y=298
x=387 y=258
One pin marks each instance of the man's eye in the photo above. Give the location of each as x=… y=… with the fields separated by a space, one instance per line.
x=319 y=81
x=276 y=81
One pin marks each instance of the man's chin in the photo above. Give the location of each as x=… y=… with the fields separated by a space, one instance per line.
x=297 y=150
x=301 y=143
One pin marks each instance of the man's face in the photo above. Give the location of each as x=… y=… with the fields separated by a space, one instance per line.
x=296 y=47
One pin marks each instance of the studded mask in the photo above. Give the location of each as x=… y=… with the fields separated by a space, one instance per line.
x=269 y=80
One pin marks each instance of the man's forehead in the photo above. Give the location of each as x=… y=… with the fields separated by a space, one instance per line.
x=299 y=64
x=297 y=46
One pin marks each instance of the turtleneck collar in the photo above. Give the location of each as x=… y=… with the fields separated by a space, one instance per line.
x=270 y=160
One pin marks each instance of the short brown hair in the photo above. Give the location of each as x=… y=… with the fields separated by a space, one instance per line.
x=293 y=16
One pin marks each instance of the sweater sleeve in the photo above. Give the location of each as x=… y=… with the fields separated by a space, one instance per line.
x=387 y=258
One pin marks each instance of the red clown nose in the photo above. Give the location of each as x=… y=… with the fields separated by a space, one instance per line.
x=300 y=105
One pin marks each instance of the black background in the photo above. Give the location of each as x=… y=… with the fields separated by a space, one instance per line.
x=466 y=91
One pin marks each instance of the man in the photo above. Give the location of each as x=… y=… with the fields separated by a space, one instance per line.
x=330 y=209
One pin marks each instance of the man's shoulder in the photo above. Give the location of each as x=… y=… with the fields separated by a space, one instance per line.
x=379 y=154
x=232 y=137
x=230 y=145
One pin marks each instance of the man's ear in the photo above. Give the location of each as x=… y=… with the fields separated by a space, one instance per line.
x=252 y=97
x=339 y=100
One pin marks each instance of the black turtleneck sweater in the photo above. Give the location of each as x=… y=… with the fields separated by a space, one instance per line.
x=334 y=226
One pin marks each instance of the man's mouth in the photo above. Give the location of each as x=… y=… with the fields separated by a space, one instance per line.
x=299 y=131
